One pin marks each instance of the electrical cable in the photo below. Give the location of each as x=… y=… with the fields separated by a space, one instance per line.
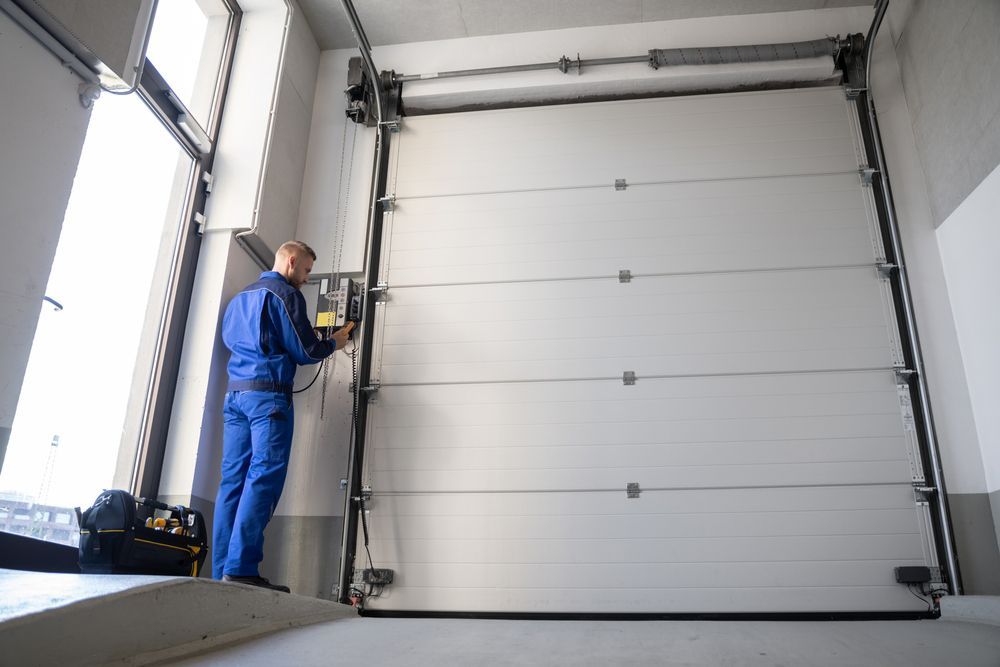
x=372 y=592
x=313 y=381
x=929 y=604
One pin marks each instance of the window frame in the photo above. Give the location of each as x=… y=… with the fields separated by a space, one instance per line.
x=200 y=143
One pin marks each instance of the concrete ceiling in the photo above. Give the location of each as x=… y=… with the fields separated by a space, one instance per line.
x=401 y=21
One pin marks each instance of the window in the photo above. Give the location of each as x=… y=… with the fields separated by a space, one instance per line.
x=193 y=73
x=127 y=238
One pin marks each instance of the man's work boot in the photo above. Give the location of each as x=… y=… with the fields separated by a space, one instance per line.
x=260 y=582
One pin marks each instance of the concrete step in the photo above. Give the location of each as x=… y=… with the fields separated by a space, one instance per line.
x=80 y=619
x=971 y=609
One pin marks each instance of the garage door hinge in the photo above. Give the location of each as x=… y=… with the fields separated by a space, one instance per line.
x=628 y=378
x=625 y=276
x=391 y=125
x=903 y=374
x=208 y=180
x=852 y=93
x=388 y=203
x=200 y=223
x=620 y=184
x=370 y=390
x=867 y=173
x=632 y=490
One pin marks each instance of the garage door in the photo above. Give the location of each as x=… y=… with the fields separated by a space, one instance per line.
x=637 y=357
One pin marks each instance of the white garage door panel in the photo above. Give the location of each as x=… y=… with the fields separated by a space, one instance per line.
x=489 y=415
x=765 y=427
x=673 y=228
x=445 y=544
x=428 y=512
x=662 y=140
x=585 y=479
x=673 y=575
x=632 y=418
x=473 y=457
x=672 y=549
x=598 y=329
x=643 y=598
x=645 y=526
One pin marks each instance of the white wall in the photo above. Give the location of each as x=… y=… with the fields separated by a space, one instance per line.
x=970 y=240
x=260 y=160
x=322 y=198
x=41 y=138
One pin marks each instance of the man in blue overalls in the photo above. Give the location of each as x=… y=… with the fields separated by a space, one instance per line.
x=268 y=332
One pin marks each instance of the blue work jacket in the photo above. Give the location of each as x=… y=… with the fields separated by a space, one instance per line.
x=268 y=332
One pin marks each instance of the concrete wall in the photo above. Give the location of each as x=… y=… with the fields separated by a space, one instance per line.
x=41 y=138
x=948 y=58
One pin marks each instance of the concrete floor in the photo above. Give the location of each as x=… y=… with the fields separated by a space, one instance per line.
x=489 y=643
x=169 y=619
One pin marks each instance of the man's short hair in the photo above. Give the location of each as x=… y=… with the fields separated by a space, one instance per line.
x=290 y=247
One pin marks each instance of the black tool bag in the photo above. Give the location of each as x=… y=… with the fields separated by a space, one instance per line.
x=115 y=540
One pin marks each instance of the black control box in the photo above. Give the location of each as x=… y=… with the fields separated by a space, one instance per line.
x=913 y=574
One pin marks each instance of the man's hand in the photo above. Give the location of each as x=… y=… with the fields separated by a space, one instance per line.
x=341 y=335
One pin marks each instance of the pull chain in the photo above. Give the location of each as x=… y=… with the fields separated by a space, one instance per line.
x=340 y=224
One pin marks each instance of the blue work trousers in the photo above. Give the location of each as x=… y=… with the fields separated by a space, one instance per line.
x=256 y=444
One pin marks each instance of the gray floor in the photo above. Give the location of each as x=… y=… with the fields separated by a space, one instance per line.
x=182 y=616
x=465 y=643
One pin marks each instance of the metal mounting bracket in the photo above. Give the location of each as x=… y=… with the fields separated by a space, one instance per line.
x=922 y=494
x=381 y=292
x=632 y=490
x=208 y=180
x=388 y=203
x=366 y=493
x=89 y=93
x=903 y=375
x=885 y=270
x=200 y=223
x=628 y=378
x=853 y=93
x=620 y=184
x=867 y=174
x=625 y=276
x=565 y=63
x=391 y=125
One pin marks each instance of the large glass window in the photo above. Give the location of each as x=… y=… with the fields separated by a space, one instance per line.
x=96 y=349
x=193 y=73
x=71 y=414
